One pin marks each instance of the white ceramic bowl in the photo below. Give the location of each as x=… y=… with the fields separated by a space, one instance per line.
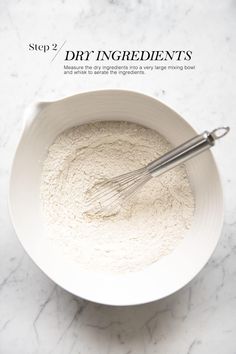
x=44 y=122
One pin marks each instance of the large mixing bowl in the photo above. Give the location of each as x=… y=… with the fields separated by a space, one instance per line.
x=43 y=123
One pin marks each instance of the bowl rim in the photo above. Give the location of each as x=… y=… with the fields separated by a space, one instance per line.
x=92 y=298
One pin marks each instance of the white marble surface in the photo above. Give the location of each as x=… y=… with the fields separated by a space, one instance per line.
x=36 y=316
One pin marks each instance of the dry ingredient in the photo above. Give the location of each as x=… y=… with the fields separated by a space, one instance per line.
x=148 y=227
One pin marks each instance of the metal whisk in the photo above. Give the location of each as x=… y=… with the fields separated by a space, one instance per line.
x=114 y=192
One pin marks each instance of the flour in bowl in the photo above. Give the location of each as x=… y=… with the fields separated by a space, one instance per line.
x=146 y=228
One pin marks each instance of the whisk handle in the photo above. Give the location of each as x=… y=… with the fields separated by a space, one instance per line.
x=186 y=151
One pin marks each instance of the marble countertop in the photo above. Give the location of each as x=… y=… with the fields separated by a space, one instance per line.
x=37 y=316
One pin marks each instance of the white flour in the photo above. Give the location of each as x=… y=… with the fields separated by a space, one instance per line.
x=149 y=227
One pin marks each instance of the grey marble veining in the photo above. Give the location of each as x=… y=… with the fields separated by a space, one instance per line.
x=36 y=316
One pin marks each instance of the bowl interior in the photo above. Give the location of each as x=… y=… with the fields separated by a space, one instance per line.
x=154 y=282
